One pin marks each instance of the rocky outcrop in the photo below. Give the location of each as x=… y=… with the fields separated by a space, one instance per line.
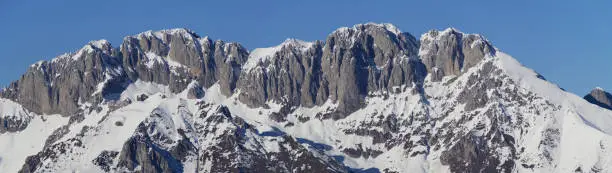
x=141 y=152
x=58 y=86
x=367 y=58
x=600 y=97
x=451 y=52
x=13 y=123
x=13 y=117
x=178 y=56
x=238 y=147
x=195 y=91
x=105 y=160
x=288 y=73
x=352 y=63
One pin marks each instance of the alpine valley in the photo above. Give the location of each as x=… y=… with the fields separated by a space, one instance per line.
x=369 y=98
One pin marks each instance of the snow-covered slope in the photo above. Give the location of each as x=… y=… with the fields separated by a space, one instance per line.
x=494 y=115
x=16 y=146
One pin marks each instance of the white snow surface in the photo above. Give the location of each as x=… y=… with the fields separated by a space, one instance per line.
x=592 y=115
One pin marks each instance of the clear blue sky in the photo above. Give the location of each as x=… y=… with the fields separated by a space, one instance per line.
x=567 y=41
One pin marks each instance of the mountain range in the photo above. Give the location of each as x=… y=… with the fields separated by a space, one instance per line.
x=368 y=98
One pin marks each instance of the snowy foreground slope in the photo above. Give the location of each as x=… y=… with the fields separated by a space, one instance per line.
x=489 y=115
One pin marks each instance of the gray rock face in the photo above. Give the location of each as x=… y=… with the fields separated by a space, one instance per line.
x=59 y=85
x=352 y=63
x=289 y=75
x=367 y=58
x=450 y=52
x=175 y=57
x=600 y=97
x=228 y=59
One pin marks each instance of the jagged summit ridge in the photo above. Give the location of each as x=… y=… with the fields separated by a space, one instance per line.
x=162 y=34
x=301 y=73
x=367 y=98
x=386 y=26
x=329 y=69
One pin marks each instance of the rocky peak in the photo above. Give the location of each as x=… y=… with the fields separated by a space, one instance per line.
x=94 y=49
x=165 y=35
x=180 y=45
x=368 y=58
x=61 y=84
x=260 y=56
x=600 y=97
x=177 y=56
x=378 y=34
x=349 y=65
x=297 y=44
x=102 y=45
x=281 y=73
x=369 y=27
x=451 y=52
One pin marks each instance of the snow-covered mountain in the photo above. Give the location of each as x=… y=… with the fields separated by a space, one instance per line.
x=369 y=98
